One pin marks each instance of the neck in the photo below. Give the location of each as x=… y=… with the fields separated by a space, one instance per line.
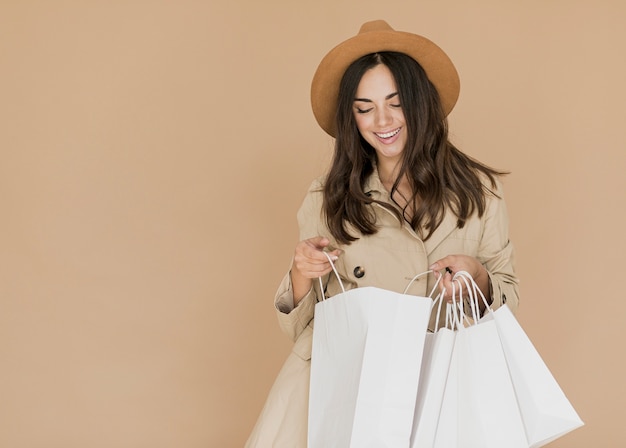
x=388 y=173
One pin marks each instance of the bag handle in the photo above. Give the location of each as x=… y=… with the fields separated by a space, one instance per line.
x=451 y=317
x=343 y=289
x=474 y=293
x=455 y=314
x=455 y=311
x=462 y=284
x=336 y=274
x=460 y=318
x=418 y=276
x=470 y=297
x=440 y=299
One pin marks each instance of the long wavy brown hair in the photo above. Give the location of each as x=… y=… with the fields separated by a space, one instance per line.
x=440 y=175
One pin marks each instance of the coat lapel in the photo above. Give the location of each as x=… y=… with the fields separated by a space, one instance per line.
x=374 y=187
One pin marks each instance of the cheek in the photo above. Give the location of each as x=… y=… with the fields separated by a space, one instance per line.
x=361 y=122
x=400 y=116
x=362 y=127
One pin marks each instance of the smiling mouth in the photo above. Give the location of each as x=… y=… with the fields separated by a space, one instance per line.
x=388 y=134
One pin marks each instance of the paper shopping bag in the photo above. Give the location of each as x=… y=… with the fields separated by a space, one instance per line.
x=546 y=411
x=446 y=432
x=488 y=414
x=435 y=369
x=434 y=373
x=479 y=408
x=365 y=366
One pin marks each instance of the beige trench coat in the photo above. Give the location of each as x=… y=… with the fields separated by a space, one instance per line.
x=389 y=260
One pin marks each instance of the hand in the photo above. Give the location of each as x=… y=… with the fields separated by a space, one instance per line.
x=310 y=262
x=452 y=264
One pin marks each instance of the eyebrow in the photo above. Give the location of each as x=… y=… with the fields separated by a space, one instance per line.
x=367 y=100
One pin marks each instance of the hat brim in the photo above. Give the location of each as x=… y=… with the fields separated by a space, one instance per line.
x=325 y=85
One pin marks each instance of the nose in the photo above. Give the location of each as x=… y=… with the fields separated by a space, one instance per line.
x=383 y=117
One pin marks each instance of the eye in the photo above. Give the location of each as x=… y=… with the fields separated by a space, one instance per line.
x=362 y=111
x=396 y=105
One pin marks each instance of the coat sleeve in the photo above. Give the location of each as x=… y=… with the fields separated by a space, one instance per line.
x=496 y=253
x=293 y=320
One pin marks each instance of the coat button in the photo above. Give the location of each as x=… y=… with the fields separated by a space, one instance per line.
x=359 y=272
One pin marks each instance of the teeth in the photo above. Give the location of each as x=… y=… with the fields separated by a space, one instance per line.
x=389 y=134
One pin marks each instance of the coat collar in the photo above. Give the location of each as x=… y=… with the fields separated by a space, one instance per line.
x=374 y=188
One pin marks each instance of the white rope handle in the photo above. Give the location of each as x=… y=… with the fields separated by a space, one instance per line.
x=454 y=315
x=462 y=284
x=344 y=290
x=450 y=323
x=418 y=276
x=474 y=293
x=470 y=295
x=440 y=299
x=336 y=274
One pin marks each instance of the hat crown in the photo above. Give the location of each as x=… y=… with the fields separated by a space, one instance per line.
x=375 y=25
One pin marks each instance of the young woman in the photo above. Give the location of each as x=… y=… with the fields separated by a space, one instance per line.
x=399 y=199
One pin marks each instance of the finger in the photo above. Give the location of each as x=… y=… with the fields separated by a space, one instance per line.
x=315 y=256
x=445 y=262
x=315 y=252
x=308 y=259
x=313 y=270
x=318 y=242
x=304 y=263
x=335 y=254
x=314 y=247
x=311 y=248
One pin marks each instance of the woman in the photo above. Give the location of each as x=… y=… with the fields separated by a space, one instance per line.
x=399 y=199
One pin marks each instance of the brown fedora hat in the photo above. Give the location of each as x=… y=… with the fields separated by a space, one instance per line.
x=373 y=37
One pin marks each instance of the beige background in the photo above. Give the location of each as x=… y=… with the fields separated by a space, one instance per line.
x=154 y=153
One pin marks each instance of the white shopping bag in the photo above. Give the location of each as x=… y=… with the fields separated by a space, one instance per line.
x=447 y=431
x=489 y=416
x=546 y=411
x=480 y=406
x=365 y=366
x=432 y=382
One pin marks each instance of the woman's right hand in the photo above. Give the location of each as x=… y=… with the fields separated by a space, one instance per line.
x=310 y=262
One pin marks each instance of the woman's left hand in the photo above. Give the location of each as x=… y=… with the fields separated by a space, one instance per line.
x=452 y=264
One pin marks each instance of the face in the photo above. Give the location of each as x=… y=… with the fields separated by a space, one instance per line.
x=379 y=115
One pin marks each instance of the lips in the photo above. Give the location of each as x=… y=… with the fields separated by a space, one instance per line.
x=387 y=135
